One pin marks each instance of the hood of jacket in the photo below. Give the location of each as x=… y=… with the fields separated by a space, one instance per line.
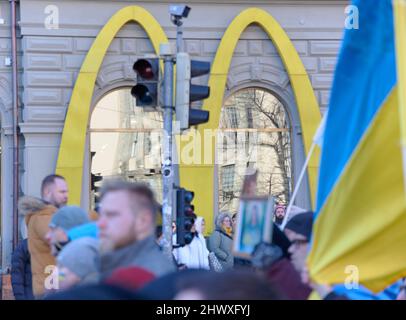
x=28 y=206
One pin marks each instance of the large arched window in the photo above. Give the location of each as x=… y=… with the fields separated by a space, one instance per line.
x=256 y=135
x=125 y=142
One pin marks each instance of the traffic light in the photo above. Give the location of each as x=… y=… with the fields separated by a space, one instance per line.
x=94 y=179
x=186 y=92
x=185 y=216
x=146 y=91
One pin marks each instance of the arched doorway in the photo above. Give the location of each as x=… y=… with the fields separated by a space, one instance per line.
x=256 y=135
x=125 y=143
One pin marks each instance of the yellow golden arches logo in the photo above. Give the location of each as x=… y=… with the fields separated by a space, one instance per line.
x=195 y=177
x=201 y=177
x=72 y=148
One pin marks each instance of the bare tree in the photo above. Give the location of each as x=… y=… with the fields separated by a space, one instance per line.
x=273 y=113
x=258 y=109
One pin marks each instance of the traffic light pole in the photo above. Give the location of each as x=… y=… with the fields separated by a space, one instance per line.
x=167 y=168
x=179 y=37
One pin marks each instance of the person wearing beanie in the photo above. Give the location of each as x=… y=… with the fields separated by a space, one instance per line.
x=78 y=263
x=299 y=230
x=65 y=219
x=301 y=224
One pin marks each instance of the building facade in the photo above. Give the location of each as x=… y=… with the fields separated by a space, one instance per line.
x=55 y=39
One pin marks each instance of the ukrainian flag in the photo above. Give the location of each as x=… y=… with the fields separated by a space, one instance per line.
x=360 y=221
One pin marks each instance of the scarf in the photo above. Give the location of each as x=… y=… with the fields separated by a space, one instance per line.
x=228 y=231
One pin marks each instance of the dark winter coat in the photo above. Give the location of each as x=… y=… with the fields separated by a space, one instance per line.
x=21 y=277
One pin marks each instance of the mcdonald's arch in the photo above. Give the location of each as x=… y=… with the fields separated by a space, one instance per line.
x=195 y=177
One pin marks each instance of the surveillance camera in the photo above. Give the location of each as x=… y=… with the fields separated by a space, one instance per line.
x=179 y=10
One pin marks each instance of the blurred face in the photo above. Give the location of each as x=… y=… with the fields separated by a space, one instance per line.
x=280 y=213
x=227 y=222
x=120 y=223
x=298 y=249
x=234 y=221
x=193 y=229
x=56 y=238
x=67 y=279
x=57 y=193
x=159 y=239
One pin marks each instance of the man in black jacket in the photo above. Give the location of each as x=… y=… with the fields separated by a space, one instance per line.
x=21 y=278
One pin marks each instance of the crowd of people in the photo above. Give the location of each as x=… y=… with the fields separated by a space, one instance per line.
x=116 y=253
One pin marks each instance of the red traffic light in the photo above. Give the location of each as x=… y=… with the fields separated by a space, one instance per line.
x=144 y=69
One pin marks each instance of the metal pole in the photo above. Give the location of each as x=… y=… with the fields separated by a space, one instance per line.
x=15 y=122
x=299 y=182
x=179 y=36
x=167 y=170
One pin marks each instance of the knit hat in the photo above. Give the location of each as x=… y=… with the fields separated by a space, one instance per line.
x=302 y=224
x=68 y=217
x=81 y=258
x=132 y=278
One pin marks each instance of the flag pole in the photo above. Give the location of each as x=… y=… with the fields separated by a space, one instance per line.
x=399 y=8
x=317 y=141
x=299 y=182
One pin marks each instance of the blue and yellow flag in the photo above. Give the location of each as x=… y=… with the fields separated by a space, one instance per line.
x=360 y=222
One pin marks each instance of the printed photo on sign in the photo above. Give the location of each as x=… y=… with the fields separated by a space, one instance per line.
x=254 y=225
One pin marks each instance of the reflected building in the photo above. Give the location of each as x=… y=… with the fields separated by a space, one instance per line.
x=255 y=130
x=126 y=141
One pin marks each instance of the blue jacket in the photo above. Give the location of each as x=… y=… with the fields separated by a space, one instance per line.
x=21 y=277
